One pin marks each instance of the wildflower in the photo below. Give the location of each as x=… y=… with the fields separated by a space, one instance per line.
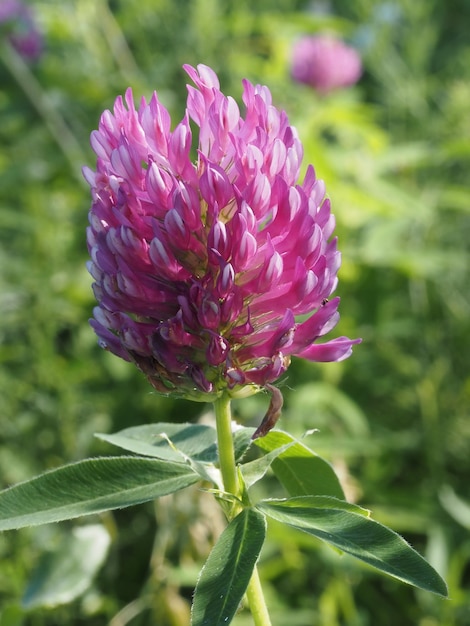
x=325 y=63
x=17 y=22
x=211 y=270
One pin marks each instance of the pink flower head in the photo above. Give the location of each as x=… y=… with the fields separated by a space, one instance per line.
x=325 y=63
x=212 y=266
x=16 y=20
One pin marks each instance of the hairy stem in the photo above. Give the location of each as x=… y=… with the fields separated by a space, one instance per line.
x=225 y=445
x=254 y=592
x=255 y=596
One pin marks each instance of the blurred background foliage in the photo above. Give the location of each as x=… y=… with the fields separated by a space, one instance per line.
x=394 y=419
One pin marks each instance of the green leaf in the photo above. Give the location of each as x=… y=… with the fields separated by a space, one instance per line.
x=299 y=469
x=242 y=441
x=196 y=441
x=68 y=571
x=180 y=443
x=254 y=471
x=227 y=572
x=90 y=486
x=345 y=526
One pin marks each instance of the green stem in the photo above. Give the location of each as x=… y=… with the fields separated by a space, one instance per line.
x=225 y=445
x=255 y=596
x=228 y=468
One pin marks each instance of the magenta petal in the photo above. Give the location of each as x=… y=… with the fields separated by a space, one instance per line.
x=320 y=323
x=218 y=239
x=272 y=341
x=215 y=186
x=108 y=341
x=217 y=350
x=334 y=350
x=203 y=76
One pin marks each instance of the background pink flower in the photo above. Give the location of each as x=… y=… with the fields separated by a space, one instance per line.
x=16 y=20
x=325 y=63
x=212 y=267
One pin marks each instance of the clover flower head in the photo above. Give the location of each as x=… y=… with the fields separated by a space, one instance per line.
x=17 y=22
x=212 y=266
x=325 y=63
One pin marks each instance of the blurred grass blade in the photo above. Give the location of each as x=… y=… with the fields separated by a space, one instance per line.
x=299 y=469
x=227 y=572
x=345 y=526
x=68 y=571
x=455 y=506
x=90 y=486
